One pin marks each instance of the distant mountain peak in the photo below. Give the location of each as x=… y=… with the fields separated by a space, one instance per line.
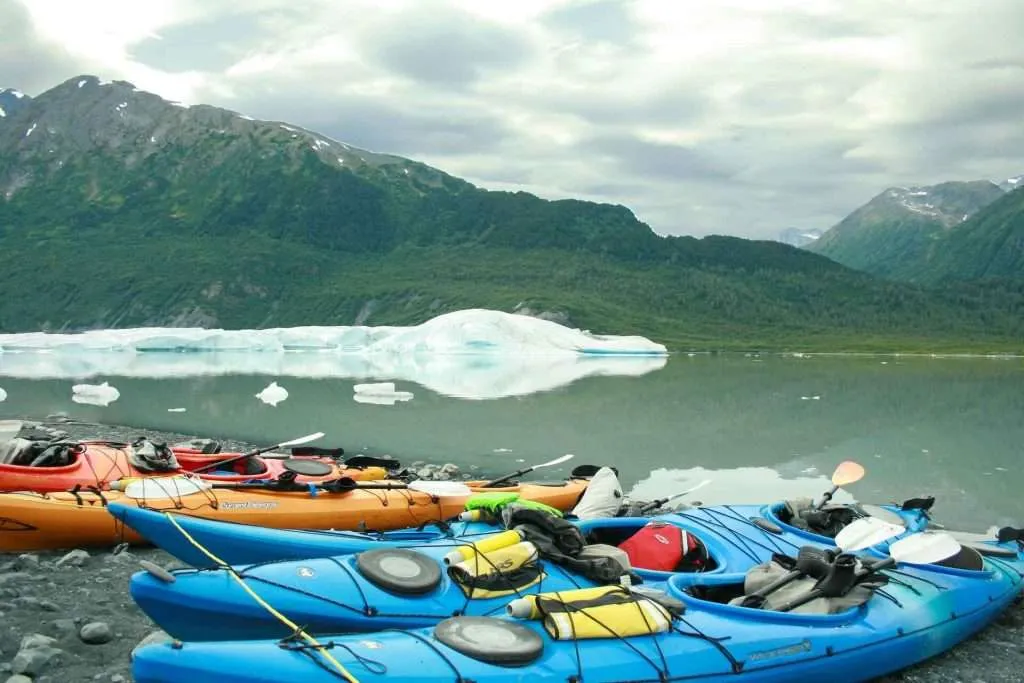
x=1011 y=184
x=12 y=101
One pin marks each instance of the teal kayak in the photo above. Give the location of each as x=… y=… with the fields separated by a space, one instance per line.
x=916 y=612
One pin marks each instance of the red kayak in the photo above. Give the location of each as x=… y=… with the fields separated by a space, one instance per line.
x=86 y=464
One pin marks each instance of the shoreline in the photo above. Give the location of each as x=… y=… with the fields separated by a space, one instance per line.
x=65 y=596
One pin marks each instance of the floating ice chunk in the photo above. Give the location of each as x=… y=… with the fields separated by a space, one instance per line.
x=502 y=450
x=272 y=394
x=30 y=130
x=176 y=410
x=375 y=388
x=810 y=398
x=382 y=399
x=82 y=83
x=3 y=395
x=94 y=394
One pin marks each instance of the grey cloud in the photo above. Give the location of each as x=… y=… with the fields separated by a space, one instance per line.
x=26 y=62
x=601 y=20
x=652 y=159
x=377 y=124
x=211 y=45
x=443 y=48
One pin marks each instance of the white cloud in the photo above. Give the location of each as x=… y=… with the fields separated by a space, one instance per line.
x=737 y=116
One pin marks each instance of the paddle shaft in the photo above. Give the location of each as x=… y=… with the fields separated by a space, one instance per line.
x=500 y=480
x=228 y=461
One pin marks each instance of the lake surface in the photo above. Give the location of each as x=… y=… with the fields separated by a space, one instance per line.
x=759 y=428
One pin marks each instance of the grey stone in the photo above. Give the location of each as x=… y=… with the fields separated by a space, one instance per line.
x=13 y=577
x=19 y=678
x=36 y=653
x=75 y=558
x=27 y=561
x=96 y=633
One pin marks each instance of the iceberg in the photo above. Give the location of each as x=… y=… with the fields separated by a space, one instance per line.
x=473 y=354
x=95 y=394
x=272 y=394
x=3 y=395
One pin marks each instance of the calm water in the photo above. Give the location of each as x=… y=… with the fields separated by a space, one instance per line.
x=953 y=428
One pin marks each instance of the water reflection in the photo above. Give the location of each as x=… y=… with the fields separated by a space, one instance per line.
x=740 y=485
x=466 y=376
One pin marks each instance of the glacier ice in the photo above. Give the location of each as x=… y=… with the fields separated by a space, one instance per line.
x=272 y=394
x=474 y=354
x=3 y=395
x=95 y=394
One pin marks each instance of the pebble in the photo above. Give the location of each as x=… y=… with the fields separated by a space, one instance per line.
x=27 y=561
x=36 y=652
x=19 y=678
x=96 y=633
x=75 y=558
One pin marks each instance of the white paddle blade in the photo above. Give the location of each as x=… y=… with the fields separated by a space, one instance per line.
x=924 y=548
x=556 y=461
x=154 y=488
x=866 y=532
x=301 y=440
x=440 y=488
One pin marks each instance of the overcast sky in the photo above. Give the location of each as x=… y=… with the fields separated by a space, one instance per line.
x=738 y=117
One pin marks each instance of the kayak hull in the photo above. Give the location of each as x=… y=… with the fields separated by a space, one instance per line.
x=929 y=611
x=33 y=521
x=102 y=463
x=237 y=543
x=329 y=593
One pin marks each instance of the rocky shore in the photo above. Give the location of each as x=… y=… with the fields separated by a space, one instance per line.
x=66 y=616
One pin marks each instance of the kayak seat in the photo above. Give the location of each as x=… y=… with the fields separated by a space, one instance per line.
x=658 y=546
x=399 y=570
x=968 y=558
x=490 y=640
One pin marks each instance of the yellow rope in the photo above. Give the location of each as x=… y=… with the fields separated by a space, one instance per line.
x=263 y=603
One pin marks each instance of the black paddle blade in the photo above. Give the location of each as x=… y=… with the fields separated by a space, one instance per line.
x=1008 y=533
x=587 y=471
x=924 y=503
x=317 y=451
x=363 y=461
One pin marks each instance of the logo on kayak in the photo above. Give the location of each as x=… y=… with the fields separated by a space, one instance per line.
x=785 y=651
x=371 y=644
x=247 y=505
x=660 y=539
x=305 y=572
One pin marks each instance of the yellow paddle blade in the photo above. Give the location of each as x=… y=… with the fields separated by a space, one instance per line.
x=847 y=473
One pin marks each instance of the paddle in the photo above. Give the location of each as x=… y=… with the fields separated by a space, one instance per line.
x=344 y=484
x=858 y=535
x=242 y=456
x=923 y=548
x=655 y=504
x=845 y=473
x=550 y=463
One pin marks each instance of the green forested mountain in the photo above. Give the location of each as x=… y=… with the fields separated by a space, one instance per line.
x=897 y=228
x=121 y=209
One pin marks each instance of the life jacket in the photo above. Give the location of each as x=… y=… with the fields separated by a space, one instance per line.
x=664 y=547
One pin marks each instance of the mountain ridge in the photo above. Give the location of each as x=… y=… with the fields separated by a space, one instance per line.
x=119 y=208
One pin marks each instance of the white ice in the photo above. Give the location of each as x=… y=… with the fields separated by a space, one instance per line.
x=3 y=395
x=30 y=130
x=94 y=394
x=474 y=354
x=272 y=394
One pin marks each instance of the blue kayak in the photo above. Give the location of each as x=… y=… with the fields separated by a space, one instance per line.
x=236 y=543
x=920 y=612
x=338 y=593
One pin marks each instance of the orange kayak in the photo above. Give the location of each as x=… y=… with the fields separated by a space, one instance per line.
x=37 y=521
x=97 y=464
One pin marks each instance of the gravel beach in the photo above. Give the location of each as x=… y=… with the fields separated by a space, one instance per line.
x=66 y=616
